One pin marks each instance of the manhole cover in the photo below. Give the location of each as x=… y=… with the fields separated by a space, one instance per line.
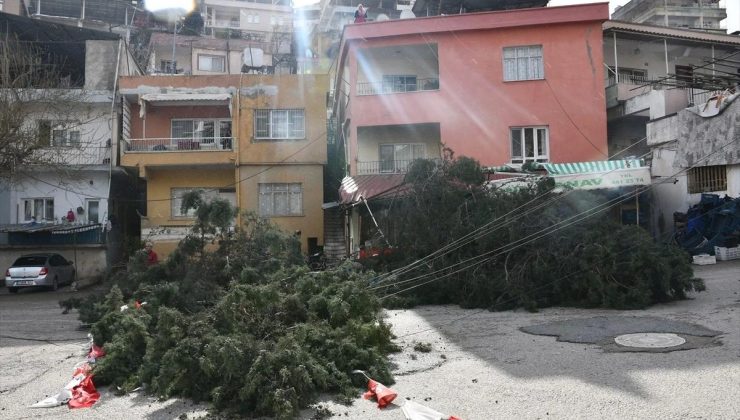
x=649 y=340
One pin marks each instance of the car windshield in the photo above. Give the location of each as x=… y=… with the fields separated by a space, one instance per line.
x=29 y=261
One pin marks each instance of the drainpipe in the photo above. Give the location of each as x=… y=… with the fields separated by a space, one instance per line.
x=616 y=62
x=665 y=49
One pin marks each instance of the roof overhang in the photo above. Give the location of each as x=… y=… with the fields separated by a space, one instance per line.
x=356 y=189
x=183 y=99
x=598 y=175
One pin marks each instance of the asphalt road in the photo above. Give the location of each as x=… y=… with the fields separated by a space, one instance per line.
x=39 y=347
x=481 y=366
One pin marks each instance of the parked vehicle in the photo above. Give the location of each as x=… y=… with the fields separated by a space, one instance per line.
x=39 y=270
x=316 y=261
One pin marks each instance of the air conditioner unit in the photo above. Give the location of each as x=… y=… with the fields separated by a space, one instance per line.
x=253 y=57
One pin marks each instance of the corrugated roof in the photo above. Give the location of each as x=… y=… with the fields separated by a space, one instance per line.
x=354 y=189
x=662 y=31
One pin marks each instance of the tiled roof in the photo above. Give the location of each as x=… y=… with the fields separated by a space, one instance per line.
x=662 y=31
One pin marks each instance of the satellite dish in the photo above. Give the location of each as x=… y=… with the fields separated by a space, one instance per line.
x=381 y=17
x=407 y=14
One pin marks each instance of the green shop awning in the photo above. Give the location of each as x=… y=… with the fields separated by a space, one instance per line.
x=588 y=167
x=598 y=175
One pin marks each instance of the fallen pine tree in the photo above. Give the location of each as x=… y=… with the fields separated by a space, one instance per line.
x=237 y=319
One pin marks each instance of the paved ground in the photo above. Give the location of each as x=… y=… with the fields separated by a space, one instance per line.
x=481 y=365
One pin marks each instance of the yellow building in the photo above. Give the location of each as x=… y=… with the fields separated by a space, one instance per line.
x=258 y=141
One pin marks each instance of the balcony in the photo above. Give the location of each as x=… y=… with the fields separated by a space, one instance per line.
x=387 y=87
x=385 y=167
x=182 y=144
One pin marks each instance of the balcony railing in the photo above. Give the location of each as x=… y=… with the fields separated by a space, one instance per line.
x=381 y=88
x=384 y=167
x=76 y=155
x=178 y=144
x=632 y=79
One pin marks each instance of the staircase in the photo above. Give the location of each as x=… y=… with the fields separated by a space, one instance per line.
x=334 y=246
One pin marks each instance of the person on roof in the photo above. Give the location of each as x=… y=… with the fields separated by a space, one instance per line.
x=360 y=14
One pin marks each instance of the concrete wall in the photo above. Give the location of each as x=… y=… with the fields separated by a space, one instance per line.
x=474 y=106
x=4 y=210
x=73 y=192
x=311 y=223
x=90 y=266
x=709 y=141
x=161 y=181
x=369 y=140
x=101 y=58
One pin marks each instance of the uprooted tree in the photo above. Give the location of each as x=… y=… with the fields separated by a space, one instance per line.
x=531 y=246
x=234 y=317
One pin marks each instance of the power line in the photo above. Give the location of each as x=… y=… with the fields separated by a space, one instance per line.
x=537 y=235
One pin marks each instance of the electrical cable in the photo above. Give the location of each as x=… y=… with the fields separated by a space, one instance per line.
x=547 y=231
x=484 y=230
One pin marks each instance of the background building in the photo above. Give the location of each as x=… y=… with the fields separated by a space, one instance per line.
x=687 y=14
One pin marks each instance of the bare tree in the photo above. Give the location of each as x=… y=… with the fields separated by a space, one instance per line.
x=44 y=114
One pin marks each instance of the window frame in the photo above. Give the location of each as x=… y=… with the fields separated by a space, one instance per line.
x=392 y=82
x=68 y=129
x=46 y=201
x=403 y=167
x=291 y=133
x=209 y=193
x=217 y=128
x=705 y=179
x=530 y=75
x=272 y=196
x=537 y=156
x=211 y=57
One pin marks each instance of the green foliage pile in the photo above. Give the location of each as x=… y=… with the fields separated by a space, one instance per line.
x=595 y=262
x=235 y=318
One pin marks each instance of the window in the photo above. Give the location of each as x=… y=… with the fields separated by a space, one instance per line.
x=707 y=179
x=273 y=20
x=399 y=83
x=256 y=18
x=281 y=200
x=529 y=144
x=523 y=63
x=203 y=131
x=209 y=193
x=59 y=133
x=40 y=208
x=398 y=157
x=214 y=63
x=167 y=66
x=279 y=124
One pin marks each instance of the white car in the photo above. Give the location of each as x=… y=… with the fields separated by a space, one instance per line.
x=39 y=270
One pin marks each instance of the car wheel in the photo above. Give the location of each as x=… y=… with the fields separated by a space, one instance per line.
x=13 y=289
x=55 y=284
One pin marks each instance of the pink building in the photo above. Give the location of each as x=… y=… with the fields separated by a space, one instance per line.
x=502 y=87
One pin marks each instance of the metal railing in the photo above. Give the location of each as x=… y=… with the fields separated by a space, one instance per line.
x=178 y=144
x=381 y=88
x=76 y=155
x=631 y=79
x=384 y=167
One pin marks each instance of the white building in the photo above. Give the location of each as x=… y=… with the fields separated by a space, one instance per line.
x=73 y=181
x=654 y=74
x=687 y=14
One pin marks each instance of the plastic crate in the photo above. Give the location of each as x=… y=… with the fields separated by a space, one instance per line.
x=704 y=259
x=725 y=254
